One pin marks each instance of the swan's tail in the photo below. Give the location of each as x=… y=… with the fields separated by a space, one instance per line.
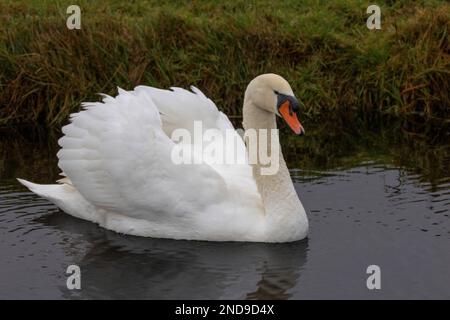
x=66 y=197
x=63 y=195
x=52 y=192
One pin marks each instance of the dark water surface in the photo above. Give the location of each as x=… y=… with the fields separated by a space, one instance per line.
x=370 y=212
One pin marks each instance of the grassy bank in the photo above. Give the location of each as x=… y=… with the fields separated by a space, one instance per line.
x=344 y=73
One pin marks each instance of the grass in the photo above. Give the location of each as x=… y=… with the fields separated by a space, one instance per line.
x=348 y=77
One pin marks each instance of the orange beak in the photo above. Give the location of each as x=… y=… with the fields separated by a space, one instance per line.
x=286 y=110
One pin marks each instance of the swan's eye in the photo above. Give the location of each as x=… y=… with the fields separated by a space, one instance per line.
x=276 y=92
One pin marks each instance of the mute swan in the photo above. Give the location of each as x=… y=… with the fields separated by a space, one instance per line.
x=118 y=173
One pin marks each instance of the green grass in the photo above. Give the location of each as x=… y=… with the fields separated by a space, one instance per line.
x=345 y=74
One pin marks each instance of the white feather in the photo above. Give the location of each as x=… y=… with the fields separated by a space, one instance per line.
x=116 y=155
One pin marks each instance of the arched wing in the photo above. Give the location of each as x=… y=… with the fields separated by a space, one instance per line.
x=118 y=157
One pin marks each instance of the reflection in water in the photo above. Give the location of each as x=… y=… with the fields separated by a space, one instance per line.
x=126 y=267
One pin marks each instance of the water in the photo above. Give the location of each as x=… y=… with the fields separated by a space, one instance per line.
x=369 y=212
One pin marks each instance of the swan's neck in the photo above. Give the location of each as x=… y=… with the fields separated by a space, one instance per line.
x=283 y=209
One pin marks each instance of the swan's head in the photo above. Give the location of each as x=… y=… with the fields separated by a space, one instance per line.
x=272 y=93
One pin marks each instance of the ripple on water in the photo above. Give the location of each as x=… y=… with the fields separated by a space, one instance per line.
x=398 y=199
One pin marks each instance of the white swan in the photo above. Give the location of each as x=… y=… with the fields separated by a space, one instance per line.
x=116 y=159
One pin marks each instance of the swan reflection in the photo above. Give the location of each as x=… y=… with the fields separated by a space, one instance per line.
x=116 y=266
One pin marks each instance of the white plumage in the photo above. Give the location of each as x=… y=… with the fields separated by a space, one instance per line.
x=116 y=156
